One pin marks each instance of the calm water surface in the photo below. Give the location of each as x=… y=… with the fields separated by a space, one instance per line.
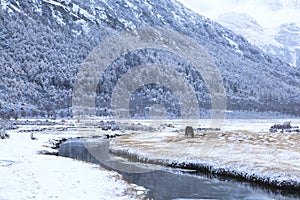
x=166 y=183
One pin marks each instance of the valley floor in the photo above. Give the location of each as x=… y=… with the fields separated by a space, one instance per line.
x=272 y=158
x=252 y=153
x=27 y=174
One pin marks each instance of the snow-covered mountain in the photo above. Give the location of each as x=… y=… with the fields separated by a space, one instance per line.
x=43 y=42
x=272 y=25
x=282 y=42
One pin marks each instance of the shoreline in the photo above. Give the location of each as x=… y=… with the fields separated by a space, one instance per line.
x=25 y=168
x=241 y=166
x=209 y=169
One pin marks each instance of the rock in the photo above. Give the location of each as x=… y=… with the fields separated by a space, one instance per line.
x=189 y=132
x=285 y=127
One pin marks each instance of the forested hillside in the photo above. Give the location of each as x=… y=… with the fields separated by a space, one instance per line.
x=43 y=43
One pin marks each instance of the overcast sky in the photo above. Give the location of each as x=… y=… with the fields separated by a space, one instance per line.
x=268 y=13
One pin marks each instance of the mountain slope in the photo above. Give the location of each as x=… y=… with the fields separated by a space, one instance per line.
x=43 y=42
x=272 y=16
x=281 y=42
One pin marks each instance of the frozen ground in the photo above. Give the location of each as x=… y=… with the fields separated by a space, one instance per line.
x=26 y=174
x=269 y=157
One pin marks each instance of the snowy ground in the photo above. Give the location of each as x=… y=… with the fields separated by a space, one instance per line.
x=26 y=174
x=268 y=157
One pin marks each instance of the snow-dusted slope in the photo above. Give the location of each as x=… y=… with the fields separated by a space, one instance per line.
x=273 y=18
x=43 y=42
x=282 y=42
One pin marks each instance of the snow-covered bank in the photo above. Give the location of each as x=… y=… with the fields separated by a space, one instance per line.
x=272 y=158
x=26 y=174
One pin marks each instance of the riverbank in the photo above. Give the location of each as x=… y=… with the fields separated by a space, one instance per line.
x=268 y=158
x=27 y=174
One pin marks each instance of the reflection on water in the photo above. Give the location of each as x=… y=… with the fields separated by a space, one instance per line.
x=166 y=183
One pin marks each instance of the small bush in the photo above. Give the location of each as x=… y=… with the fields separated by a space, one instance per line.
x=3 y=134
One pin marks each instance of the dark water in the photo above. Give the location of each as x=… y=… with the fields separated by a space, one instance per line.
x=167 y=183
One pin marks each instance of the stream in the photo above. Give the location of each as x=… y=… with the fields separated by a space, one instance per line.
x=165 y=183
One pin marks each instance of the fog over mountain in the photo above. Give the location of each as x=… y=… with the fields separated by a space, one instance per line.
x=43 y=43
x=278 y=20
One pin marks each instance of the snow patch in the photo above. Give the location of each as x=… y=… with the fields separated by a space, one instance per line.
x=84 y=25
x=101 y=13
x=15 y=8
x=132 y=6
x=58 y=17
x=233 y=44
x=86 y=14
x=127 y=24
x=4 y=4
x=55 y=3
x=25 y=174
